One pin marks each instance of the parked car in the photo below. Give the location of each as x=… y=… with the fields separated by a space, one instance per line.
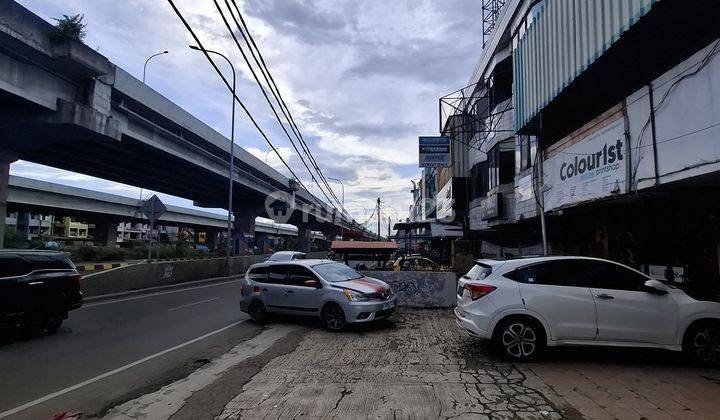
x=286 y=256
x=416 y=263
x=37 y=289
x=330 y=290
x=526 y=304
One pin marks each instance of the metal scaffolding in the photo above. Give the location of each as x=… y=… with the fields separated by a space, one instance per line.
x=490 y=13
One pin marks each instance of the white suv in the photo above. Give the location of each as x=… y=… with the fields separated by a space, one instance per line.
x=525 y=304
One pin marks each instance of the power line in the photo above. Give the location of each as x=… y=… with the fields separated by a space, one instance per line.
x=227 y=84
x=272 y=107
x=265 y=71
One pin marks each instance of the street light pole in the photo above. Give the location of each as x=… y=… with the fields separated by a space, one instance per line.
x=342 y=229
x=266 y=156
x=231 y=169
x=143 y=80
x=146 y=63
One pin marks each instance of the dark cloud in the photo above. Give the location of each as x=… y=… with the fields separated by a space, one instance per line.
x=302 y=19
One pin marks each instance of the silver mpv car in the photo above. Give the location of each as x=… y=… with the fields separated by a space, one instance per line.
x=332 y=291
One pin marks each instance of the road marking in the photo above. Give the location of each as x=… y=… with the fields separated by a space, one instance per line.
x=168 y=400
x=112 y=372
x=192 y=304
x=108 y=302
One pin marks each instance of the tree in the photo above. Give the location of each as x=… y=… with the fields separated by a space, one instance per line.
x=71 y=27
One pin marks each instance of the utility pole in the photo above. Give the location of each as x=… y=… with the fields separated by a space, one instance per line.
x=378 y=217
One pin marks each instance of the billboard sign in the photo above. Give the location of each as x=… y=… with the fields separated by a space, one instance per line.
x=435 y=152
x=592 y=168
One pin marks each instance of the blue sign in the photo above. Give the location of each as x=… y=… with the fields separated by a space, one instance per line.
x=434 y=152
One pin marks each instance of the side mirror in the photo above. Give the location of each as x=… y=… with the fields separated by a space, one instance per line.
x=654 y=286
x=312 y=283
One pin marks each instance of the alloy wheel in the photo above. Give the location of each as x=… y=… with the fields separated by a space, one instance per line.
x=706 y=344
x=335 y=318
x=257 y=312
x=519 y=340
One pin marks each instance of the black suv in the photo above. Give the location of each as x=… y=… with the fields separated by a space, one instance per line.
x=37 y=289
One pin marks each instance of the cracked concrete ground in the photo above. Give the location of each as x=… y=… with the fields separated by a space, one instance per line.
x=419 y=367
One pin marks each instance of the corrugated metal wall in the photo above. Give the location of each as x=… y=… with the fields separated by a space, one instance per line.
x=565 y=38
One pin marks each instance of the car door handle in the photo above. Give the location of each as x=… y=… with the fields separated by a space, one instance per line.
x=288 y=291
x=264 y=289
x=604 y=296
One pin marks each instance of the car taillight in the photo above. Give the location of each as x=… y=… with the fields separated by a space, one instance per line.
x=478 y=290
x=76 y=277
x=256 y=289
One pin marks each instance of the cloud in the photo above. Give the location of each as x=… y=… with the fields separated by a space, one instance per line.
x=362 y=79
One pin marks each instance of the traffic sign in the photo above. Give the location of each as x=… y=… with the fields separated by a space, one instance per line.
x=153 y=208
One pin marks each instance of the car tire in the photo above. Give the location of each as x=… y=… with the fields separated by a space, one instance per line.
x=257 y=312
x=702 y=343
x=51 y=326
x=333 y=317
x=520 y=339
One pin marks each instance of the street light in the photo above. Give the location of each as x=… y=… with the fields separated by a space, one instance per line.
x=266 y=155
x=232 y=156
x=146 y=63
x=342 y=229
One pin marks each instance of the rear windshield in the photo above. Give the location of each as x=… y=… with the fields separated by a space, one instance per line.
x=336 y=272
x=479 y=272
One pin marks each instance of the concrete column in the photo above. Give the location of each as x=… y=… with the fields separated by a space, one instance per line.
x=304 y=239
x=244 y=225
x=106 y=232
x=6 y=158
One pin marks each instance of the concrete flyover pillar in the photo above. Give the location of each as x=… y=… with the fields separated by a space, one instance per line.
x=6 y=158
x=243 y=228
x=304 y=239
x=106 y=233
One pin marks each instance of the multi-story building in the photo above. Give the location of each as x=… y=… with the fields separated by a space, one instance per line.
x=603 y=116
x=30 y=226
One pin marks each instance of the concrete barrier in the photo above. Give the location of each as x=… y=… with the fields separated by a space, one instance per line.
x=417 y=289
x=141 y=276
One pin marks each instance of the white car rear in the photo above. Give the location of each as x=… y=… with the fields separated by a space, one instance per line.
x=526 y=304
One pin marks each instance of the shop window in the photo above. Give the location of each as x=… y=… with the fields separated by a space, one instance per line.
x=479 y=180
x=501 y=161
x=525 y=149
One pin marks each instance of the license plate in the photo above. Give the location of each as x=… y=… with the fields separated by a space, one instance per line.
x=388 y=305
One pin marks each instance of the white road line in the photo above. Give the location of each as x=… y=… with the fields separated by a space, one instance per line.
x=108 y=302
x=112 y=372
x=163 y=403
x=192 y=304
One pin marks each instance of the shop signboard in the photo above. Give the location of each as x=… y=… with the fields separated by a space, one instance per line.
x=593 y=167
x=434 y=152
x=490 y=207
x=444 y=203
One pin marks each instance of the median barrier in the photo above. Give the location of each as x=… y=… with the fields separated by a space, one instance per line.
x=420 y=289
x=162 y=273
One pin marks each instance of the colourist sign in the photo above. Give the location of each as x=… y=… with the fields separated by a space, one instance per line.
x=592 y=168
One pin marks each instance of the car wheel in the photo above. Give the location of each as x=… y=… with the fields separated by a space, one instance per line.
x=257 y=312
x=333 y=317
x=50 y=326
x=520 y=339
x=702 y=343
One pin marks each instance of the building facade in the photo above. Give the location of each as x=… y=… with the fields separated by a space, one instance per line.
x=605 y=117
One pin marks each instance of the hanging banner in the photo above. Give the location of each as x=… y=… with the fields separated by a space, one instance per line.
x=592 y=168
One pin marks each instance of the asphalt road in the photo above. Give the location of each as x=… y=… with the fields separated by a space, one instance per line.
x=112 y=351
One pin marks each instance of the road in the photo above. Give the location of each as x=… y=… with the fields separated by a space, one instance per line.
x=111 y=351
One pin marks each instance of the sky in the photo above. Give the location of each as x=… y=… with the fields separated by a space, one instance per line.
x=362 y=80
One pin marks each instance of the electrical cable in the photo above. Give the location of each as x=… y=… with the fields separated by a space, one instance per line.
x=247 y=61
x=240 y=102
x=260 y=62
